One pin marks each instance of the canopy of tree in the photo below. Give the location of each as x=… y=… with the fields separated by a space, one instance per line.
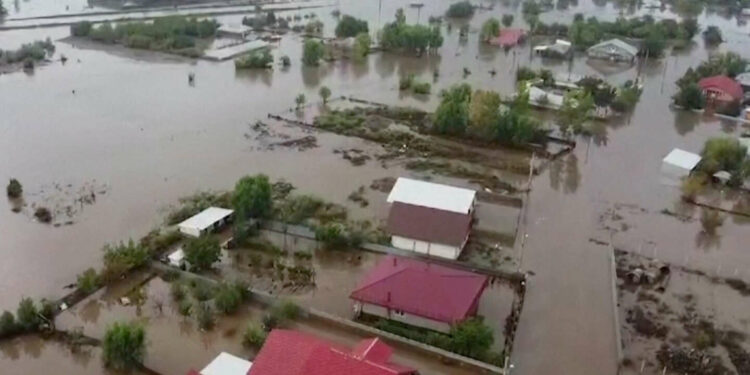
x=312 y=52
x=689 y=95
x=349 y=26
x=202 y=252
x=725 y=154
x=35 y=51
x=124 y=346
x=256 y=60
x=418 y=39
x=461 y=9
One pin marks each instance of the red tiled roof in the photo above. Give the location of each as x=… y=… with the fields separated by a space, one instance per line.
x=287 y=352
x=428 y=224
x=509 y=37
x=724 y=84
x=427 y=290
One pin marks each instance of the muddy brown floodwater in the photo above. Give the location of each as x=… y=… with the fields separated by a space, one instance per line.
x=130 y=120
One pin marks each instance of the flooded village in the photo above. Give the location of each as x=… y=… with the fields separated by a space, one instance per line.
x=375 y=186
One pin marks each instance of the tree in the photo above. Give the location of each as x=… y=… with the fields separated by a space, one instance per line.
x=14 y=189
x=412 y=38
x=690 y=27
x=690 y=96
x=332 y=235
x=27 y=315
x=324 y=93
x=724 y=154
x=256 y=60
x=312 y=52
x=314 y=27
x=286 y=61
x=712 y=36
x=299 y=100
x=8 y=325
x=452 y=115
x=507 y=20
x=252 y=197
x=576 y=109
x=461 y=9
x=3 y=11
x=349 y=26
x=483 y=113
x=82 y=28
x=471 y=338
x=124 y=346
x=228 y=298
x=202 y=252
x=205 y=316
x=88 y=281
x=362 y=45
x=654 y=42
x=254 y=336
x=490 y=29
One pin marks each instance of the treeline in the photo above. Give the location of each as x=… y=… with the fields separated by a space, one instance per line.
x=28 y=53
x=418 y=39
x=175 y=34
x=584 y=33
x=480 y=115
x=690 y=96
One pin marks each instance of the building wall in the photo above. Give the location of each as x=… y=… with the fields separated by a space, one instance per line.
x=190 y=231
x=427 y=248
x=406 y=318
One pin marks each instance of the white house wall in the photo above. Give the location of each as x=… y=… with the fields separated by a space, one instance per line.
x=427 y=248
x=406 y=318
x=190 y=231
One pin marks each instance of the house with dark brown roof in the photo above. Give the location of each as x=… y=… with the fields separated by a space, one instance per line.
x=429 y=218
x=419 y=293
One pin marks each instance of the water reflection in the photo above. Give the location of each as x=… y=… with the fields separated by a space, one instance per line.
x=565 y=172
x=255 y=75
x=312 y=75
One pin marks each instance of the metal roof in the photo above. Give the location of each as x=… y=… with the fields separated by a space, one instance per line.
x=432 y=195
x=683 y=159
x=227 y=364
x=617 y=43
x=205 y=218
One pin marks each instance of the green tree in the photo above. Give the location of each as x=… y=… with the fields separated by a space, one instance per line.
x=120 y=258
x=724 y=154
x=712 y=36
x=471 y=338
x=8 y=325
x=228 y=298
x=202 y=252
x=205 y=316
x=690 y=27
x=286 y=61
x=82 y=28
x=14 y=189
x=324 y=93
x=507 y=20
x=255 y=60
x=254 y=336
x=349 y=26
x=88 y=281
x=654 y=42
x=362 y=46
x=312 y=52
x=253 y=197
x=689 y=96
x=576 y=109
x=124 y=346
x=314 y=27
x=299 y=100
x=461 y=9
x=483 y=113
x=490 y=29
x=332 y=235
x=27 y=315
x=452 y=115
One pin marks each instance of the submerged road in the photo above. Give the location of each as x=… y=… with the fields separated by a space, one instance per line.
x=567 y=325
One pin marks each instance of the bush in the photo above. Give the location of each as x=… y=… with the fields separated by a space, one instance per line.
x=324 y=93
x=121 y=258
x=201 y=253
x=14 y=189
x=256 y=60
x=312 y=52
x=88 y=281
x=286 y=310
x=286 y=61
x=47 y=309
x=452 y=115
x=8 y=325
x=413 y=38
x=254 y=336
x=202 y=290
x=461 y=9
x=27 y=315
x=711 y=220
x=228 y=298
x=712 y=36
x=507 y=20
x=124 y=346
x=471 y=338
x=177 y=291
x=270 y=322
x=82 y=28
x=422 y=88
x=490 y=29
x=349 y=26
x=332 y=235
x=205 y=316
x=314 y=27
x=43 y=214
x=362 y=45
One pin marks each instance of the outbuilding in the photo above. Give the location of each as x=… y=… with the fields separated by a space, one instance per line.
x=559 y=49
x=177 y=258
x=678 y=164
x=429 y=218
x=207 y=221
x=419 y=293
x=721 y=89
x=234 y=31
x=225 y=364
x=614 y=50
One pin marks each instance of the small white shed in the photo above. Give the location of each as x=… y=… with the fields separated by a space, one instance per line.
x=206 y=221
x=678 y=164
x=432 y=195
x=227 y=364
x=177 y=258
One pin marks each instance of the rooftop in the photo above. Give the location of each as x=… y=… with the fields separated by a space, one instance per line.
x=723 y=83
x=205 y=218
x=683 y=159
x=227 y=364
x=629 y=48
x=428 y=290
x=428 y=224
x=432 y=195
x=287 y=352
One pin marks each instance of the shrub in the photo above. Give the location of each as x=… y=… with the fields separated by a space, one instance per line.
x=203 y=290
x=14 y=189
x=711 y=220
x=88 y=281
x=299 y=100
x=121 y=258
x=332 y=235
x=124 y=346
x=253 y=197
x=507 y=20
x=349 y=26
x=205 y=316
x=286 y=61
x=228 y=298
x=82 y=28
x=256 y=60
x=362 y=45
x=461 y=9
x=471 y=338
x=8 y=325
x=254 y=336
x=312 y=52
x=286 y=310
x=324 y=93
x=490 y=29
x=202 y=252
x=185 y=307
x=422 y=88
x=43 y=214
x=27 y=315
x=712 y=36
x=177 y=291
x=47 y=309
x=314 y=27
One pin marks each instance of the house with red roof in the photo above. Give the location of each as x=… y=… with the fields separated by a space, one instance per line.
x=288 y=352
x=430 y=218
x=419 y=293
x=721 y=89
x=509 y=38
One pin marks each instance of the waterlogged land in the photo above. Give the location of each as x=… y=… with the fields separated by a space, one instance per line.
x=129 y=120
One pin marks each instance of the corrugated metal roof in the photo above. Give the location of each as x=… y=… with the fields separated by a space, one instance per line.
x=227 y=364
x=205 y=218
x=617 y=43
x=428 y=194
x=683 y=159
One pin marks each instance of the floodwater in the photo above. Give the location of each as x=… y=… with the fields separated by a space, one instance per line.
x=130 y=121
